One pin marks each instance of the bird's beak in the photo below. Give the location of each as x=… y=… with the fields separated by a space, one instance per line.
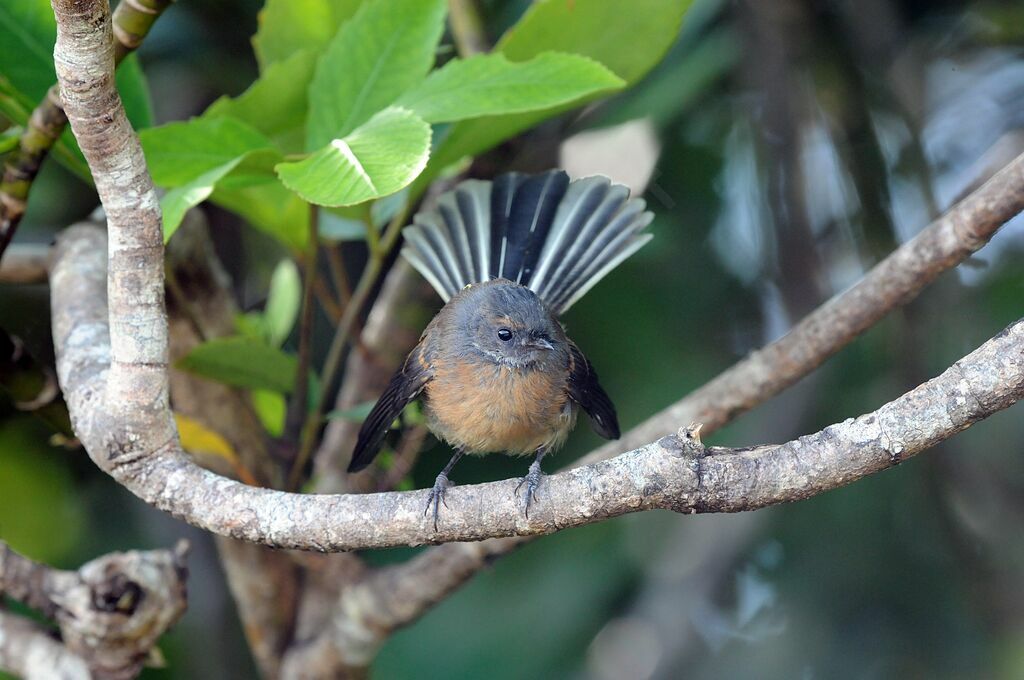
x=539 y=343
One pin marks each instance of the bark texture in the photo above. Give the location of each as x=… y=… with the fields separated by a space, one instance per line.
x=110 y=612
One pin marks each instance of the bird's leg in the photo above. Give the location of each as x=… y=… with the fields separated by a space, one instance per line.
x=436 y=496
x=532 y=479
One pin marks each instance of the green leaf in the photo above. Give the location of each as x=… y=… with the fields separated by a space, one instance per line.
x=27 y=34
x=385 y=49
x=9 y=139
x=42 y=512
x=195 y=156
x=283 y=302
x=628 y=42
x=178 y=153
x=276 y=103
x=269 y=207
x=242 y=362
x=378 y=158
x=490 y=84
x=287 y=26
x=249 y=324
x=663 y=96
x=176 y=202
x=271 y=409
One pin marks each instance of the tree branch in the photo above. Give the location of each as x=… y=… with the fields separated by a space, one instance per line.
x=110 y=612
x=118 y=399
x=29 y=651
x=653 y=476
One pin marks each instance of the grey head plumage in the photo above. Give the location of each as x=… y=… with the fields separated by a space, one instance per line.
x=505 y=324
x=557 y=238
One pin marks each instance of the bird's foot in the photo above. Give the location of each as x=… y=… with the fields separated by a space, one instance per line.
x=531 y=481
x=436 y=497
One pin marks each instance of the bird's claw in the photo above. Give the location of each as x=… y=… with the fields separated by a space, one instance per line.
x=532 y=481
x=436 y=497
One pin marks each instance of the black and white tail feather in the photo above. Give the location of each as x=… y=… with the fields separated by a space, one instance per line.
x=558 y=238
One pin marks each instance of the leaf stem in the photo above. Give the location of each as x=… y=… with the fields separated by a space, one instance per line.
x=338 y=273
x=300 y=397
x=467 y=27
x=326 y=299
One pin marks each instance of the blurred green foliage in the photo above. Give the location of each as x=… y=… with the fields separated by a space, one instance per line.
x=797 y=143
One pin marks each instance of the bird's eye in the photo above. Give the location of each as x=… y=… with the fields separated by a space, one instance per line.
x=504 y=334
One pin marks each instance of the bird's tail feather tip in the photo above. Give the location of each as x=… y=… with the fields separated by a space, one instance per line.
x=556 y=237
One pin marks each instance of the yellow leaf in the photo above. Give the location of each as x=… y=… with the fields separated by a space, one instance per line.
x=206 y=445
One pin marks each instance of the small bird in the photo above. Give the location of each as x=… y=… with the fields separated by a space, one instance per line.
x=494 y=370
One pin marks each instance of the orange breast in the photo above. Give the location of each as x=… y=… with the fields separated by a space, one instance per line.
x=496 y=408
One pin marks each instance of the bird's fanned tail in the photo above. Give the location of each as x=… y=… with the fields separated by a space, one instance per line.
x=556 y=237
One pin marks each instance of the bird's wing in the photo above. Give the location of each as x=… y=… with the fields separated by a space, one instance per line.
x=405 y=386
x=586 y=391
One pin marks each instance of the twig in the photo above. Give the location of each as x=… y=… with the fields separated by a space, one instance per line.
x=338 y=273
x=349 y=318
x=467 y=27
x=297 y=407
x=132 y=21
x=326 y=300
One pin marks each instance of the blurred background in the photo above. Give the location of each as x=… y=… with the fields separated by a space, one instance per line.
x=785 y=147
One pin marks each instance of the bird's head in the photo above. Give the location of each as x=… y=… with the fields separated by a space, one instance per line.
x=508 y=324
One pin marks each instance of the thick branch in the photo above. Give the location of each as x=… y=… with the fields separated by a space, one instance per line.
x=110 y=612
x=119 y=401
x=652 y=476
x=28 y=651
